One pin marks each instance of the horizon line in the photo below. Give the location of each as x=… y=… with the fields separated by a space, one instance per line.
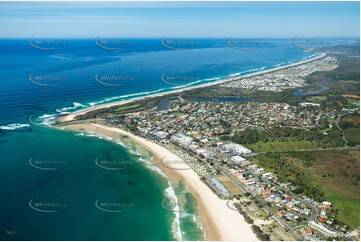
x=179 y=37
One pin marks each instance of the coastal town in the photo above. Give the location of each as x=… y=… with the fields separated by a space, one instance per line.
x=202 y=134
x=180 y=120
x=284 y=79
x=193 y=131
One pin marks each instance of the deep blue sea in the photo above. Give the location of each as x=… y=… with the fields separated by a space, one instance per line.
x=51 y=186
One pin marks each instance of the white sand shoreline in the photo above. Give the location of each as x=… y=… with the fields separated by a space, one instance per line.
x=220 y=222
x=72 y=116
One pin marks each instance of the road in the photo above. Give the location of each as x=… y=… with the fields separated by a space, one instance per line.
x=301 y=150
x=339 y=128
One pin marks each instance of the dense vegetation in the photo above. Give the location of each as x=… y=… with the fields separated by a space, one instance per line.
x=247 y=218
x=260 y=235
x=351 y=127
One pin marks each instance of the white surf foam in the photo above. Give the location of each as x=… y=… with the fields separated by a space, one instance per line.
x=128 y=96
x=75 y=106
x=170 y=193
x=14 y=126
x=47 y=119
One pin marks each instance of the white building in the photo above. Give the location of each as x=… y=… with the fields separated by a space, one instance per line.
x=236 y=148
x=161 y=134
x=322 y=229
x=237 y=159
x=182 y=139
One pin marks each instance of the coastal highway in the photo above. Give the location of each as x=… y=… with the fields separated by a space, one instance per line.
x=301 y=150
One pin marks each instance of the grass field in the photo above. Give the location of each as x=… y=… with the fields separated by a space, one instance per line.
x=341 y=190
x=128 y=107
x=178 y=114
x=352 y=100
x=282 y=146
x=231 y=187
x=316 y=98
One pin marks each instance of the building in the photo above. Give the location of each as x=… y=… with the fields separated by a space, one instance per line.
x=161 y=134
x=218 y=187
x=326 y=205
x=322 y=229
x=182 y=139
x=237 y=149
x=237 y=159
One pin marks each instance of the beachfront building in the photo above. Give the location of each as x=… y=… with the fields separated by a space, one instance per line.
x=322 y=229
x=218 y=187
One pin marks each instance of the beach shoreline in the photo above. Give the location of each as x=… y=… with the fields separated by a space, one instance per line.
x=72 y=116
x=220 y=221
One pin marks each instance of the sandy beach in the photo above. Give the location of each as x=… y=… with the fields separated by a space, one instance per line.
x=71 y=116
x=221 y=222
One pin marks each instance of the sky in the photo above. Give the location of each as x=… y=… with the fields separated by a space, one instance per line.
x=179 y=19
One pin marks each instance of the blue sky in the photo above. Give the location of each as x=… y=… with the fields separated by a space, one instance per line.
x=179 y=19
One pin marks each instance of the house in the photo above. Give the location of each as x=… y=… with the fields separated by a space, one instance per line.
x=307 y=232
x=267 y=175
x=281 y=213
x=326 y=205
x=322 y=220
x=259 y=171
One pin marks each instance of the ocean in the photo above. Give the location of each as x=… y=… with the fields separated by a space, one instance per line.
x=62 y=185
